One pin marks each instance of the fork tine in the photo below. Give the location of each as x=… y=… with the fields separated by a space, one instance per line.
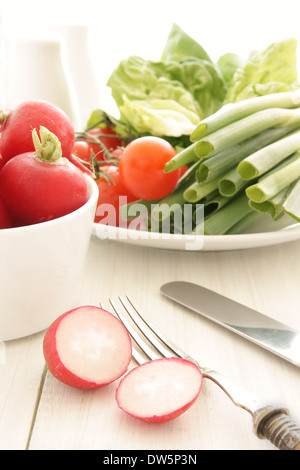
x=135 y=353
x=135 y=336
x=155 y=331
x=146 y=329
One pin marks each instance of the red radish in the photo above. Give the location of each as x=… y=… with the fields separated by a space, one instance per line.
x=42 y=185
x=87 y=347
x=160 y=390
x=1 y=161
x=20 y=121
x=6 y=220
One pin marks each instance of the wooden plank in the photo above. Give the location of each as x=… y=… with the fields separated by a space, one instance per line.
x=264 y=279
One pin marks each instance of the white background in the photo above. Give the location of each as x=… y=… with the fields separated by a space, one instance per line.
x=120 y=28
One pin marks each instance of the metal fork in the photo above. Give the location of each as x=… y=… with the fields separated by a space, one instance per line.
x=149 y=343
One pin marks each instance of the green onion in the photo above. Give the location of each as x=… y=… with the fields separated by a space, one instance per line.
x=197 y=191
x=215 y=203
x=244 y=223
x=233 y=112
x=276 y=181
x=136 y=208
x=185 y=157
x=292 y=203
x=273 y=206
x=172 y=202
x=221 y=163
x=231 y=183
x=244 y=129
x=268 y=157
x=223 y=220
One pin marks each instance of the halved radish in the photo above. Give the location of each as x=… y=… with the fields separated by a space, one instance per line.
x=87 y=347
x=159 y=390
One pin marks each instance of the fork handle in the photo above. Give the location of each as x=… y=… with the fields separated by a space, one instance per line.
x=275 y=425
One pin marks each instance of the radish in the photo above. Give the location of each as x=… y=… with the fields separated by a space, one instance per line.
x=87 y=347
x=42 y=185
x=18 y=124
x=1 y=160
x=160 y=390
x=6 y=220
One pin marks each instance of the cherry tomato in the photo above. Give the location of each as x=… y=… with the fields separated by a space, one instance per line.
x=142 y=168
x=109 y=201
x=111 y=143
x=82 y=150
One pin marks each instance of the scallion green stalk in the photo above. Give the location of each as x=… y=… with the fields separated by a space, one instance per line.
x=169 y=203
x=221 y=163
x=197 y=191
x=292 y=203
x=276 y=181
x=215 y=204
x=230 y=113
x=268 y=157
x=223 y=220
x=273 y=206
x=184 y=157
x=244 y=223
x=244 y=129
x=231 y=183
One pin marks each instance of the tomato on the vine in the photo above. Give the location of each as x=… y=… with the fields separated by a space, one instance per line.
x=142 y=168
x=111 y=142
x=112 y=194
x=82 y=150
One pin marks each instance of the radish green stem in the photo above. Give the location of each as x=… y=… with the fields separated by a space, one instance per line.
x=47 y=147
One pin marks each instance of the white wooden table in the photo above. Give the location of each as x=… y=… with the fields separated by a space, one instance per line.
x=38 y=413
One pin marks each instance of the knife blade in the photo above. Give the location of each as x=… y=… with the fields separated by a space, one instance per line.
x=261 y=329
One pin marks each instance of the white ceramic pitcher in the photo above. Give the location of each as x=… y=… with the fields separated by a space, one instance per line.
x=35 y=67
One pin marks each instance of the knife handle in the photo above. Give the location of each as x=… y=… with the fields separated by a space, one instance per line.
x=275 y=425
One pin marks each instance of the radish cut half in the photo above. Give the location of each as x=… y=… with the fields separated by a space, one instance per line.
x=87 y=347
x=159 y=390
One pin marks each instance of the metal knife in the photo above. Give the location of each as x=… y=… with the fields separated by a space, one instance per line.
x=246 y=322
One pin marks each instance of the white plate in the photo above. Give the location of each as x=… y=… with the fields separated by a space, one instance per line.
x=266 y=232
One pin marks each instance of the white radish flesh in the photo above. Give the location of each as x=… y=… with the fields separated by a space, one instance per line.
x=87 y=347
x=159 y=390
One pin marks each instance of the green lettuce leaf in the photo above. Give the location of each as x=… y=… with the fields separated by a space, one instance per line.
x=180 y=45
x=269 y=71
x=228 y=64
x=168 y=97
x=193 y=88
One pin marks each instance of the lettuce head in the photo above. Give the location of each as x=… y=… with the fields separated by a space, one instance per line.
x=168 y=97
x=272 y=70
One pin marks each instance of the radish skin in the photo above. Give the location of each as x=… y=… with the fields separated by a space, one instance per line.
x=160 y=390
x=87 y=348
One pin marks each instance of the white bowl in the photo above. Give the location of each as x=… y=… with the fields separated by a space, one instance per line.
x=41 y=267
